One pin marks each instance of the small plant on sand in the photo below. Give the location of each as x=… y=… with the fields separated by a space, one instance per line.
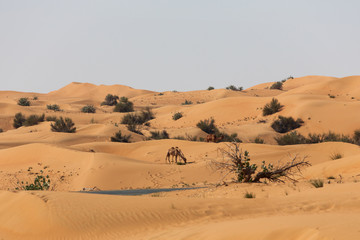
x=238 y=162
x=110 y=100
x=159 y=135
x=40 y=183
x=63 y=125
x=259 y=140
x=187 y=102
x=35 y=98
x=34 y=120
x=317 y=183
x=124 y=105
x=286 y=124
x=53 y=107
x=1 y=130
x=249 y=195
x=135 y=128
x=272 y=107
x=357 y=137
x=139 y=118
x=118 y=137
x=336 y=156
x=23 y=102
x=208 y=126
x=291 y=138
x=88 y=109
x=277 y=85
x=19 y=120
x=210 y=88
x=177 y=116
x=233 y=88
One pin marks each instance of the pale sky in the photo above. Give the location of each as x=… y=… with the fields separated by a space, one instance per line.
x=175 y=45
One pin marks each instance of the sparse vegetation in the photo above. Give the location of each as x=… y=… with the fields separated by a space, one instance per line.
x=51 y=118
x=139 y=118
x=210 y=88
x=177 y=116
x=53 y=107
x=118 y=137
x=40 y=183
x=124 y=105
x=88 y=109
x=135 y=128
x=277 y=85
x=208 y=126
x=187 y=102
x=159 y=135
x=238 y=162
x=336 y=156
x=331 y=96
x=19 y=120
x=34 y=120
x=259 y=140
x=35 y=98
x=23 y=102
x=286 y=124
x=291 y=138
x=110 y=100
x=227 y=138
x=233 y=88
x=1 y=130
x=273 y=107
x=249 y=195
x=63 y=125
x=317 y=183
x=357 y=137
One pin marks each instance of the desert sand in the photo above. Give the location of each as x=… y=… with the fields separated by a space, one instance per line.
x=217 y=209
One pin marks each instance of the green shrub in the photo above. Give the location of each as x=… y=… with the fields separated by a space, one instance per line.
x=110 y=100
x=291 y=139
x=139 y=118
x=177 y=116
x=118 y=137
x=40 y=183
x=159 y=135
x=62 y=125
x=1 y=130
x=277 y=85
x=336 y=156
x=53 y=107
x=224 y=137
x=259 y=140
x=34 y=120
x=124 y=105
x=23 y=102
x=357 y=136
x=210 y=88
x=317 y=183
x=88 y=109
x=286 y=124
x=249 y=195
x=233 y=88
x=273 y=107
x=208 y=126
x=146 y=115
x=35 y=98
x=134 y=128
x=51 y=118
x=19 y=120
x=187 y=102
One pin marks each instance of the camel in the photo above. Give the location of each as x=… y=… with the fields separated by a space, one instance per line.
x=174 y=152
x=214 y=138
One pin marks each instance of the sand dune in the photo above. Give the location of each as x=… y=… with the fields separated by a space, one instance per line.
x=88 y=159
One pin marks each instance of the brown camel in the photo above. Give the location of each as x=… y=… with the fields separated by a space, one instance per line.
x=174 y=152
x=214 y=138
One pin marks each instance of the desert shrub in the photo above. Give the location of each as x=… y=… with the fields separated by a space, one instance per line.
x=228 y=138
x=110 y=100
x=51 y=118
x=317 y=183
x=233 y=88
x=35 y=98
x=124 y=105
x=277 y=85
x=357 y=136
x=136 y=128
x=259 y=140
x=88 y=109
x=208 y=126
x=19 y=120
x=140 y=118
x=34 y=119
x=291 y=138
x=177 y=116
x=63 y=125
x=187 y=102
x=210 y=88
x=159 y=135
x=336 y=156
x=286 y=124
x=53 y=107
x=40 y=183
x=249 y=195
x=1 y=130
x=23 y=102
x=146 y=115
x=118 y=137
x=272 y=107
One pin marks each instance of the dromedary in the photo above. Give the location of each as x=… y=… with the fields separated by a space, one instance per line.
x=174 y=152
x=214 y=138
